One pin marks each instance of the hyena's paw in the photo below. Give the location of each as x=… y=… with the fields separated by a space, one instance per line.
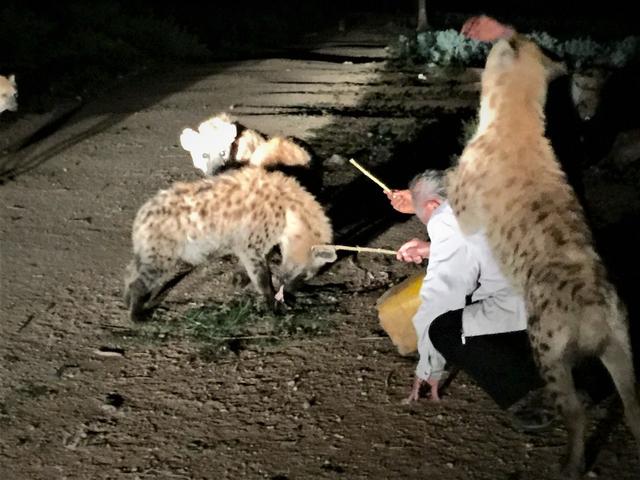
x=138 y=316
x=570 y=472
x=279 y=307
x=136 y=298
x=270 y=305
x=572 y=469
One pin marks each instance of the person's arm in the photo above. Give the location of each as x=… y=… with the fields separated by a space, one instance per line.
x=451 y=276
x=415 y=250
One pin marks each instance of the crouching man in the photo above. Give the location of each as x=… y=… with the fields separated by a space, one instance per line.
x=469 y=315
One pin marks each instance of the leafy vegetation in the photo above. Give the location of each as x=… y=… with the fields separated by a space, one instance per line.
x=451 y=48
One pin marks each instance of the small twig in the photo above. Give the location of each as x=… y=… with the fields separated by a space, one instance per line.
x=387 y=380
x=247 y=337
x=363 y=170
x=371 y=339
x=31 y=316
x=358 y=249
x=26 y=322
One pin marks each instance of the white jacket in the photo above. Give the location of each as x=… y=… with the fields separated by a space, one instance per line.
x=460 y=266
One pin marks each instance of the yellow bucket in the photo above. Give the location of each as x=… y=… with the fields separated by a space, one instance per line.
x=396 y=308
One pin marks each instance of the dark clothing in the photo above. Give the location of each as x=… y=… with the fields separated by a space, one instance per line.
x=502 y=364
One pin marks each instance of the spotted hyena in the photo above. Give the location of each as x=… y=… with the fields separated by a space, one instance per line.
x=245 y=212
x=586 y=89
x=509 y=183
x=222 y=143
x=8 y=93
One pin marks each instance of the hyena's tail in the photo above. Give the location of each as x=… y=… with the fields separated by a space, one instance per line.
x=147 y=285
x=280 y=151
x=618 y=360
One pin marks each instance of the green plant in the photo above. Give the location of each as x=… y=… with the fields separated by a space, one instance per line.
x=229 y=327
x=450 y=48
x=443 y=47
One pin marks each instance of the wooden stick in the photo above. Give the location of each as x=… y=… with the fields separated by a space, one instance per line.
x=363 y=170
x=357 y=249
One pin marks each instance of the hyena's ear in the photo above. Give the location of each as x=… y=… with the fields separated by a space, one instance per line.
x=503 y=53
x=219 y=130
x=189 y=139
x=515 y=41
x=12 y=79
x=554 y=69
x=323 y=255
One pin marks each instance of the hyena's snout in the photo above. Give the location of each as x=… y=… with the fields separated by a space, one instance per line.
x=292 y=275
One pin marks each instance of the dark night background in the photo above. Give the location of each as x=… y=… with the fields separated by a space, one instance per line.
x=79 y=46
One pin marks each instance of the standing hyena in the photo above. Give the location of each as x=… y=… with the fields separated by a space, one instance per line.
x=246 y=212
x=221 y=143
x=509 y=183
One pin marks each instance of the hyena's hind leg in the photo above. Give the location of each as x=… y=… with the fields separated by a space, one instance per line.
x=557 y=373
x=257 y=268
x=618 y=361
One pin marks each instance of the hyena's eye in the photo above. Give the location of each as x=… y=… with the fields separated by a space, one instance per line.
x=205 y=156
x=223 y=153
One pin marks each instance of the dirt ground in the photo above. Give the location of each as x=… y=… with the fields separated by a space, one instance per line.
x=84 y=396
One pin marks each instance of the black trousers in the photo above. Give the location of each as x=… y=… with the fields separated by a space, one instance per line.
x=502 y=364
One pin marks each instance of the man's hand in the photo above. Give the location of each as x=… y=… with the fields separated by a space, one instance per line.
x=415 y=250
x=418 y=382
x=401 y=200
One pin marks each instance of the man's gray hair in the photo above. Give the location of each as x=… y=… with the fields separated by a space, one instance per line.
x=428 y=184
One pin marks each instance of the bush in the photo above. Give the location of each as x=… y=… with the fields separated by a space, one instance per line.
x=443 y=48
x=450 y=48
x=585 y=52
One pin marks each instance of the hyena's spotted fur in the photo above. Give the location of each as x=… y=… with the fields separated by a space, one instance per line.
x=8 y=93
x=246 y=212
x=509 y=183
x=222 y=143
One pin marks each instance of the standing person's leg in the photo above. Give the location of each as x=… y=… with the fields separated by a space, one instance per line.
x=501 y=364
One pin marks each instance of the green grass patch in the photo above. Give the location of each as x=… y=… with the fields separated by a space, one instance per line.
x=225 y=328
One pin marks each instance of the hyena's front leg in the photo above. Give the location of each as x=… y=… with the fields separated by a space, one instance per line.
x=257 y=268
